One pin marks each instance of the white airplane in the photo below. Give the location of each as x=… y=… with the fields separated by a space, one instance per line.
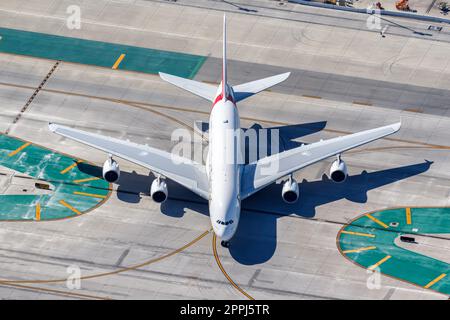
x=222 y=182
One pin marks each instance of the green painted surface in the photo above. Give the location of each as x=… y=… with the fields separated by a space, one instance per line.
x=44 y=164
x=98 y=53
x=404 y=264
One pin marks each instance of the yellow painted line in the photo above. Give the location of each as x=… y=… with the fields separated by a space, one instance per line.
x=38 y=211
x=13 y=153
x=89 y=194
x=86 y=180
x=377 y=221
x=65 y=204
x=118 y=61
x=359 y=234
x=311 y=96
x=362 y=103
x=70 y=167
x=219 y=264
x=408 y=215
x=379 y=263
x=359 y=249
x=435 y=280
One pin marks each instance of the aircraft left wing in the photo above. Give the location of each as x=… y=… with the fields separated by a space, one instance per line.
x=181 y=170
x=267 y=170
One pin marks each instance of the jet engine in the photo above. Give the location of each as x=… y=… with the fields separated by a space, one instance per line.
x=158 y=190
x=111 y=171
x=338 y=170
x=290 y=191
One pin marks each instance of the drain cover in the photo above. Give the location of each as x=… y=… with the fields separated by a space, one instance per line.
x=394 y=224
x=434 y=28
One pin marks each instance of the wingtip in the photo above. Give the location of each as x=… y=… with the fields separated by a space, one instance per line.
x=164 y=76
x=396 y=126
x=52 y=126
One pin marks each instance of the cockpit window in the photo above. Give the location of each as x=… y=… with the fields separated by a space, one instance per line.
x=225 y=223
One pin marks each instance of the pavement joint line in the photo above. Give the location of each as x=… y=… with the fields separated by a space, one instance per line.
x=38 y=211
x=377 y=221
x=54 y=292
x=379 y=263
x=89 y=194
x=360 y=249
x=359 y=234
x=408 y=215
x=431 y=283
x=73 y=165
x=13 y=153
x=118 y=61
x=65 y=204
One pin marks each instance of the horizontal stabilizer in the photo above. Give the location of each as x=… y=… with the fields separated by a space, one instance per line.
x=248 y=89
x=201 y=89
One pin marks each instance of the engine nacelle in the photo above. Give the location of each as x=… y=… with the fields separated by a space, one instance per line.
x=338 y=170
x=290 y=191
x=111 y=171
x=158 y=191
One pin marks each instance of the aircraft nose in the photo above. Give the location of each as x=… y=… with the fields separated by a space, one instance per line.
x=225 y=233
x=224 y=218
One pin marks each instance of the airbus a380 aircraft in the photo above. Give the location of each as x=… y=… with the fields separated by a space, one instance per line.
x=222 y=182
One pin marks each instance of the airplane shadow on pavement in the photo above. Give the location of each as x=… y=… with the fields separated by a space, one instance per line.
x=256 y=238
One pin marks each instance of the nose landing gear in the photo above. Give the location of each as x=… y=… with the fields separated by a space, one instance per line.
x=225 y=244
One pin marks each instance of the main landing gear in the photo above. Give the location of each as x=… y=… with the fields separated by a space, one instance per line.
x=225 y=244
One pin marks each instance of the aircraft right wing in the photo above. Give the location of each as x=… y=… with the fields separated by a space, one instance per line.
x=267 y=170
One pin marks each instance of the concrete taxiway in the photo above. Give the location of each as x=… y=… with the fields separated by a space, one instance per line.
x=345 y=78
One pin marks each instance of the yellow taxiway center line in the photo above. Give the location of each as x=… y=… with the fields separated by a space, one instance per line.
x=359 y=249
x=219 y=263
x=86 y=180
x=65 y=204
x=379 y=262
x=70 y=167
x=38 y=211
x=118 y=61
x=13 y=153
x=377 y=221
x=408 y=215
x=435 y=280
x=89 y=194
x=359 y=234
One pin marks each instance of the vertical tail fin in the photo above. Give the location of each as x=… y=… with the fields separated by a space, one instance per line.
x=224 y=61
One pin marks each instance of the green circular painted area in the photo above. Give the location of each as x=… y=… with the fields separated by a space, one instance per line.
x=370 y=242
x=78 y=186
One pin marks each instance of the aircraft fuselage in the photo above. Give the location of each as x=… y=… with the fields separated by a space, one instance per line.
x=224 y=168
